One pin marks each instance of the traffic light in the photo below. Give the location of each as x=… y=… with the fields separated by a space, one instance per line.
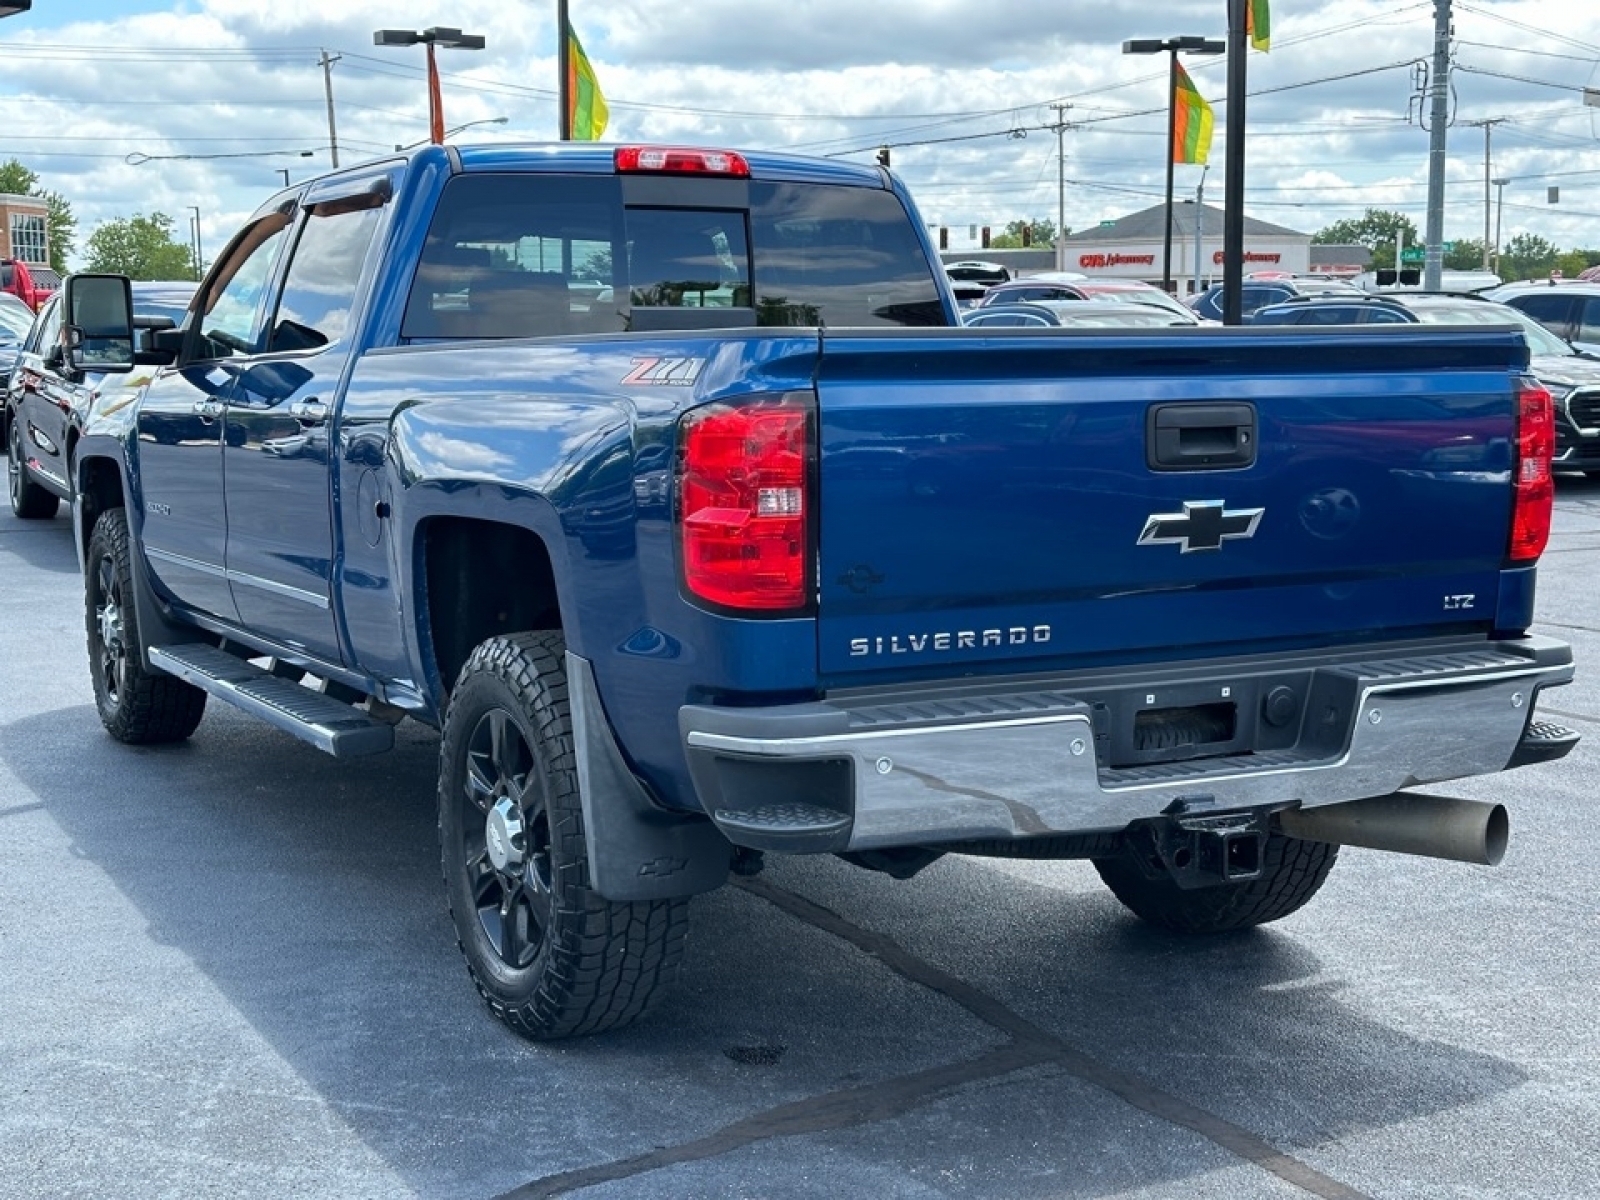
x=985 y=237
x=883 y=156
x=944 y=237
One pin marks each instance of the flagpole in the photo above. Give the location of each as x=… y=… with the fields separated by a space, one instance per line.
x=1233 y=171
x=564 y=61
x=435 y=101
x=1172 y=154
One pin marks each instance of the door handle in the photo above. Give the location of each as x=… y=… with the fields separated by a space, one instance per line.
x=1200 y=437
x=208 y=410
x=309 y=412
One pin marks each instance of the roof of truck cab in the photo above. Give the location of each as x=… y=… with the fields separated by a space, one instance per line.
x=600 y=158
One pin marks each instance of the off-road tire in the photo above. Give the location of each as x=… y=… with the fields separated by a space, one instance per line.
x=550 y=956
x=137 y=705
x=1292 y=871
x=28 y=500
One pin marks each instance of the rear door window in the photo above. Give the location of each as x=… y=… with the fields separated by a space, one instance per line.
x=1588 y=321
x=1548 y=308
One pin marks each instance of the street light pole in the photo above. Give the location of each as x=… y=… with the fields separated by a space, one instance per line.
x=194 y=241
x=1171 y=47
x=437 y=35
x=458 y=129
x=1499 y=203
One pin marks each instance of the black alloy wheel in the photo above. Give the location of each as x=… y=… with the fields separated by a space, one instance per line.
x=28 y=500
x=136 y=705
x=551 y=957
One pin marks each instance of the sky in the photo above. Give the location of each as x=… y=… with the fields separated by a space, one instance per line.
x=142 y=106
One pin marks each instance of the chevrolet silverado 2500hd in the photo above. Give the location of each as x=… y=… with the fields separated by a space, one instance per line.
x=665 y=483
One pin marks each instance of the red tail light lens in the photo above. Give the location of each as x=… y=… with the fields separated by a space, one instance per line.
x=1535 y=487
x=679 y=160
x=745 y=504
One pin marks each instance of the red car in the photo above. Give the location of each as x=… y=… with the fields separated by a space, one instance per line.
x=32 y=285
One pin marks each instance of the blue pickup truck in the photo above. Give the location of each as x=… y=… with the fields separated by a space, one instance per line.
x=667 y=486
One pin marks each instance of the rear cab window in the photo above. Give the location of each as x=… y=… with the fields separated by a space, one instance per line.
x=537 y=255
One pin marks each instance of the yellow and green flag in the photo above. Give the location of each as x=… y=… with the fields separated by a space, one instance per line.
x=1192 y=121
x=589 y=113
x=1258 y=24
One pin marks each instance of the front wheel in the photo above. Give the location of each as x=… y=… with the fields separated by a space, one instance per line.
x=1292 y=871
x=28 y=500
x=137 y=705
x=550 y=956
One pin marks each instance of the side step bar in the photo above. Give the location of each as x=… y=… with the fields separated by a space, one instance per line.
x=330 y=725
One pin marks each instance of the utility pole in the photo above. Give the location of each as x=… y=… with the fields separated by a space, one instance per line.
x=327 y=87
x=1199 y=225
x=1061 y=184
x=1433 y=261
x=1488 y=128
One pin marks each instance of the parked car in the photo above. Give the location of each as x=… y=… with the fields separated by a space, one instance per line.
x=1256 y=293
x=1036 y=289
x=1571 y=375
x=970 y=280
x=15 y=321
x=1570 y=310
x=1101 y=313
x=46 y=402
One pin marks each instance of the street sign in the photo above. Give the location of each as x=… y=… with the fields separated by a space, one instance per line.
x=1413 y=254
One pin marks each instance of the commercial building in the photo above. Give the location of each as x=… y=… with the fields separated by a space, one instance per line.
x=1132 y=247
x=25 y=229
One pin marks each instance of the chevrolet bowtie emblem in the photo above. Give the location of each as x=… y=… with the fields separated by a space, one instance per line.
x=1202 y=525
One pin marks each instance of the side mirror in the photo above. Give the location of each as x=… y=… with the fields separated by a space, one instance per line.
x=98 y=327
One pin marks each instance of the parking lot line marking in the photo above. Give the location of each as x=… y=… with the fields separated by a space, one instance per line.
x=1129 y=1088
x=843 y=1109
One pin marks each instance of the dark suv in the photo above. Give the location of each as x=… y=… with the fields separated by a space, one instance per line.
x=1568 y=310
x=1255 y=293
x=1571 y=375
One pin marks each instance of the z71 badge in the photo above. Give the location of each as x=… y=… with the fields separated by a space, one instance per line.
x=664 y=372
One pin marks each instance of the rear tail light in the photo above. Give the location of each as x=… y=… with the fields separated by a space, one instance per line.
x=745 y=504
x=681 y=160
x=1534 y=496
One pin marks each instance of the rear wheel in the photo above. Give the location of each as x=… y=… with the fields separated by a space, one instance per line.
x=137 y=705
x=1291 y=873
x=28 y=500
x=550 y=956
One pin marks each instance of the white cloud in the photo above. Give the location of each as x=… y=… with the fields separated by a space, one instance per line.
x=1328 y=133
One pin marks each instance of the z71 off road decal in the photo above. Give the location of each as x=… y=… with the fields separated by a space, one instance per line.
x=664 y=372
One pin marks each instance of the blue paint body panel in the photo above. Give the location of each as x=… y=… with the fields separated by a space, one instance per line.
x=979 y=495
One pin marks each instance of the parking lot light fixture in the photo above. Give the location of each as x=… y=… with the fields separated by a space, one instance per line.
x=12 y=8
x=437 y=35
x=1172 y=47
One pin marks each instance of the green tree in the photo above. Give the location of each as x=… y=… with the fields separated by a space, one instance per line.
x=1375 y=230
x=1527 y=256
x=1041 y=233
x=140 y=247
x=1465 y=254
x=17 y=180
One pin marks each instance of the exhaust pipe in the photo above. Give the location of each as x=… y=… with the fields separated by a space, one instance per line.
x=1467 y=831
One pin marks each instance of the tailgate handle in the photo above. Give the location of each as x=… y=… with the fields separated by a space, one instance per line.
x=1200 y=437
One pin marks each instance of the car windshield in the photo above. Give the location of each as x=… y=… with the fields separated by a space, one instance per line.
x=15 y=321
x=1540 y=340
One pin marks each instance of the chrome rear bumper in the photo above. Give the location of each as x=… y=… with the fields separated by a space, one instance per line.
x=969 y=763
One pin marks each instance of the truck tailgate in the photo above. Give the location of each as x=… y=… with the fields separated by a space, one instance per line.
x=1018 y=501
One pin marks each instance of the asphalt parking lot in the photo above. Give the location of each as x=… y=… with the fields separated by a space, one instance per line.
x=226 y=970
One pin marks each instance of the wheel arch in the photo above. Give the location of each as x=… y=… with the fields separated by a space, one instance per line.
x=480 y=578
